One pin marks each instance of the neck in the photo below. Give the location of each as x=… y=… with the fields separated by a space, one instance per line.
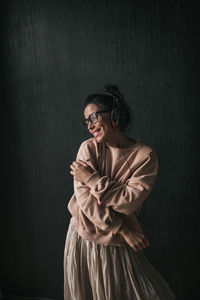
x=118 y=139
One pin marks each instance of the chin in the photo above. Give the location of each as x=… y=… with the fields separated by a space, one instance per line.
x=103 y=135
x=100 y=139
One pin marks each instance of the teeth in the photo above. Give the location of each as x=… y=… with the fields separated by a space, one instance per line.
x=96 y=132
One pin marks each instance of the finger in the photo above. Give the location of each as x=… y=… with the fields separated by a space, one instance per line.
x=75 y=163
x=135 y=247
x=72 y=173
x=142 y=242
x=138 y=242
x=145 y=243
x=82 y=162
x=141 y=238
x=141 y=246
x=79 y=161
x=78 y=164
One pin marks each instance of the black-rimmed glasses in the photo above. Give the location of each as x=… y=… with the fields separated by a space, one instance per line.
x=93 y=117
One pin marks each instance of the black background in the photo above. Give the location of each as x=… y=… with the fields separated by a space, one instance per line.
x=55 y=53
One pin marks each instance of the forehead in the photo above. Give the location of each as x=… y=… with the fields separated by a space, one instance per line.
x=90 y=108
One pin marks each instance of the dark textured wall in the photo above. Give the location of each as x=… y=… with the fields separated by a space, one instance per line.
x=54 y=53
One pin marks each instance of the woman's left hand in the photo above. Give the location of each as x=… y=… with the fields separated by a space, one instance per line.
x=81 y=171
x=135 y=239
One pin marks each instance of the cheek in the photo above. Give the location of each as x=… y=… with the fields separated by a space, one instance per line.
x=106 y=123
x=105 y=126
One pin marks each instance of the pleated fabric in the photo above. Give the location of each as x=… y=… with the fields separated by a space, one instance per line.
x=97 y=272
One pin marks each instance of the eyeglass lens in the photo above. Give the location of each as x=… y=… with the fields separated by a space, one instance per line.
x=92 y=118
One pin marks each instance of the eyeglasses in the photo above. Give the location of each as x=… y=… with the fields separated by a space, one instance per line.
x=93 y=117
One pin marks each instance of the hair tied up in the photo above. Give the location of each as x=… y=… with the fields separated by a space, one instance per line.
x=114 y=91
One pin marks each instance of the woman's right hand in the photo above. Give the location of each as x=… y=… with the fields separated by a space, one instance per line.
x=134 y=239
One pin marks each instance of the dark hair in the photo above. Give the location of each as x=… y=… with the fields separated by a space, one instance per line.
x=113 y=101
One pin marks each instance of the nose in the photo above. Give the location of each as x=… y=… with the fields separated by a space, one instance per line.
x=90 y=125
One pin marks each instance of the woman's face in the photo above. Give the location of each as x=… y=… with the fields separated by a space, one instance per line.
x=102 y=130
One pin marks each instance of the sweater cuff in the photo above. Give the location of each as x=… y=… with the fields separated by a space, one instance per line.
x=93 y=179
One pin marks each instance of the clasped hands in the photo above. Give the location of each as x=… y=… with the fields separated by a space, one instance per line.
x=81 y=171
x=135 y=239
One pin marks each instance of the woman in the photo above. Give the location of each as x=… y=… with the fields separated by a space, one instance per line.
x=113 y=175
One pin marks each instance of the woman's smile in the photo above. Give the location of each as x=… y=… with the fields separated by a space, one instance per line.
x=96 y=132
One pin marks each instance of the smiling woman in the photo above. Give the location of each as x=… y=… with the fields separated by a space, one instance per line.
x=113 y=175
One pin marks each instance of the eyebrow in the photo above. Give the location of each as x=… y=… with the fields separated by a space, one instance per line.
x=91 y=114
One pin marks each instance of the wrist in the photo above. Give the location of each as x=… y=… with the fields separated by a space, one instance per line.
x=92 y=179
x=123 y=229
x=88 y=176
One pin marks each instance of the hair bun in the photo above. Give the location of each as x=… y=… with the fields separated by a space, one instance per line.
x=114 y=90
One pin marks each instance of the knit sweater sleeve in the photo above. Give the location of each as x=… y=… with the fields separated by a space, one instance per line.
x=126 y=198
x=103 y=217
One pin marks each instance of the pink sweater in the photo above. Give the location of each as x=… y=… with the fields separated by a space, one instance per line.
x=113 y=194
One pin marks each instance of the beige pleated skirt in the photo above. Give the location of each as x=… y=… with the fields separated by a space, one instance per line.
x=96 y=272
